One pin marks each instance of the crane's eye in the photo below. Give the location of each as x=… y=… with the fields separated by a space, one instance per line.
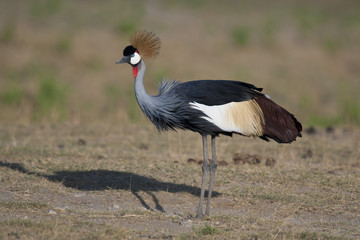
x=135 y=58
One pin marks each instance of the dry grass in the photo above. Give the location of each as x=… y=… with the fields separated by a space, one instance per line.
x=103 y=181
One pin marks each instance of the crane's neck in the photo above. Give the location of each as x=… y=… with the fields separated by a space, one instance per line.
x=143 y=98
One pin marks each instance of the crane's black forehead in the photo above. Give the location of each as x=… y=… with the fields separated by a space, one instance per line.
x=129 y=50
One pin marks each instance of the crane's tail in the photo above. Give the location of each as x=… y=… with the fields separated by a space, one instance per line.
x=279 y=124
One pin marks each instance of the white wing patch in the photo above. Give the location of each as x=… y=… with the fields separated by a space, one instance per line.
x=244 y=117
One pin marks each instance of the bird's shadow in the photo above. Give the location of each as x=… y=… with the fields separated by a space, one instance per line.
x=98 y=180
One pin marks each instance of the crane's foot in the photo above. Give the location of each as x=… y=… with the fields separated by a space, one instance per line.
x=207 y=212
x=199 y=215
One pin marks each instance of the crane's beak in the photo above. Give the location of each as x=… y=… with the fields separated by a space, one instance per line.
x=124 y=59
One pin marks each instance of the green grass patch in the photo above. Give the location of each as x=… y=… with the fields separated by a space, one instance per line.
x=207 y=230
x=44 y=8
x=8 y=32
x=309 y=18
x=242 y=74
x=331 y=45
x=94 y=64
x=50 y=98
x=241 y=36
x=133 y=110
x=113 y=95
x=351 y=19
x=63 y=44
x=127 y=26
x=12 y=95
x=158 y=76
x=268 y=30
x=349 y=113
x=188 y=4
x=323 y=121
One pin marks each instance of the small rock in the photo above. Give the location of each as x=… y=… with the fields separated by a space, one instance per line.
x=143 y=146
x=187 y=223
x=246 y=158
x=308 y=154
x=330 y=129
x=311 y=209
x=116 y=206
x=52 y=212
x=256 y=159
x=79 y=194
x=223 y=163
x=239 y=158
x=336 y=171
x=81 y=142
x=62 y=210
x=100 y=156
x=191 y=161
x=310 y=130
x=270 y=162
x=200 y=162
x=61 y=146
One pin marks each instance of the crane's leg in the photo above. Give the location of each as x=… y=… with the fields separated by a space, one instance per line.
x=213 y=167
x=205 y=170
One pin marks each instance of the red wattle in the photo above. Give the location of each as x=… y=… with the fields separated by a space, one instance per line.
x=135 y=71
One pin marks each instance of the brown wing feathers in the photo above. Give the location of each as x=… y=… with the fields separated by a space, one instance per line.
x=280 y=125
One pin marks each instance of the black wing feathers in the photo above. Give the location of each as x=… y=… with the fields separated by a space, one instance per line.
x=216 y=92
x=279 y=125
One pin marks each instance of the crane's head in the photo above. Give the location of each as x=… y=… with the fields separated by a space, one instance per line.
x=144 y=45
x=131 y=56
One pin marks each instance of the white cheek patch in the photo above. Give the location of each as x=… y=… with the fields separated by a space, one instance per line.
x=135 y=59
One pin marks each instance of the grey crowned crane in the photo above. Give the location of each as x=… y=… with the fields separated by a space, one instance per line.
x=209 y=107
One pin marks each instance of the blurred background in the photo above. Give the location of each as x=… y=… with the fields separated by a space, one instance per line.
x=58 y=57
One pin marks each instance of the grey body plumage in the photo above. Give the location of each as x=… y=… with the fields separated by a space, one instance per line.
x=170 y=109
x=162 y=109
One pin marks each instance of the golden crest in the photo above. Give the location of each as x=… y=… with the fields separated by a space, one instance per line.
x=147 y=43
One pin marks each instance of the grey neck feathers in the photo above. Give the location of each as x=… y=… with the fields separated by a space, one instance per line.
x=160 y=108
x=142 y=97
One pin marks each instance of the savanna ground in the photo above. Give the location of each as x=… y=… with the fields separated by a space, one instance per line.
x=78 y=160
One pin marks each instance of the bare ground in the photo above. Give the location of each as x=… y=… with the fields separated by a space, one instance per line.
x=107 y=182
